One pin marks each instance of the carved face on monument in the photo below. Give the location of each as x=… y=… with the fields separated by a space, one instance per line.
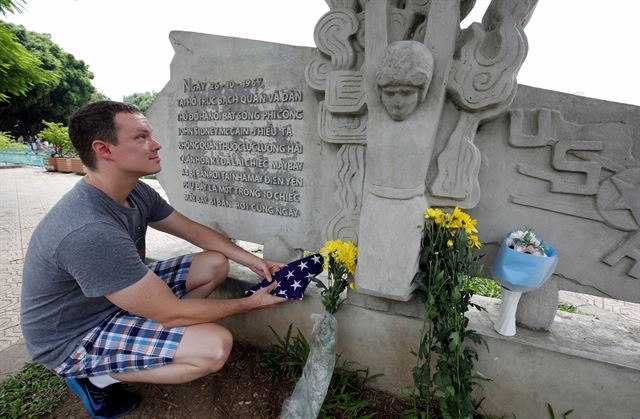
x=400 y=101
x=403 y=76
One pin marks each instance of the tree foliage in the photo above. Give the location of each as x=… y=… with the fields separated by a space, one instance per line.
x=11 y=6
x=53 y=99
x=58 y=135
x=7 y=142
x=142 y=100
x=19 y=69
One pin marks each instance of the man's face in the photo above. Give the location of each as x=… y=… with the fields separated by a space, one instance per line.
x=136 y=151
x=400 y=101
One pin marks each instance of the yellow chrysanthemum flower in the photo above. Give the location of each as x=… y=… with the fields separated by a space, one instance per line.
x=435 y=214
x=348 y=255
x=473 y=241
x=345 y=253
x=449 y=243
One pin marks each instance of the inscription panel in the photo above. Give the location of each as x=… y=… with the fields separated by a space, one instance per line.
x=238 y=145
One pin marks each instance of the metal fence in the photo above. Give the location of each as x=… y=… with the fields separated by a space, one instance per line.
x=26 y=157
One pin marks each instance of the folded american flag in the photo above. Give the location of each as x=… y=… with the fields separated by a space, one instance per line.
x=293 y=279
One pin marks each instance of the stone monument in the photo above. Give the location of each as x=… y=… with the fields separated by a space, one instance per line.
x=291 y=146
x=398 y=109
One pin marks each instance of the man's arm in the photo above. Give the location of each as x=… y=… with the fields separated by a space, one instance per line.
x=209 y=239
x=151 y=298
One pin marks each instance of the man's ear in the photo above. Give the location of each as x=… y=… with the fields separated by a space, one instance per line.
x=102 y=149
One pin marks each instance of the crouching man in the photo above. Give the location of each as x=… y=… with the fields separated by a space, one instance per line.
x=92 y=311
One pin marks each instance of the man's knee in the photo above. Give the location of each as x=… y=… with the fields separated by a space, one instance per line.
x=215 y=262
x=220 y=264
x=206 y=346
x=220 y=351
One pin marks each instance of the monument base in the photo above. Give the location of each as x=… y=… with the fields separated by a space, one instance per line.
x=582 y=363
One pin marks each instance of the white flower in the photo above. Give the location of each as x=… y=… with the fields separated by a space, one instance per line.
x=517 y=234
x=525 y=241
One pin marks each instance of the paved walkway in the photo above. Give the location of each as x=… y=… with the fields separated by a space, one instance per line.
x=27 y=193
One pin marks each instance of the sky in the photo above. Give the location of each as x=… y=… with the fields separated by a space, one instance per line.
x=575 y=46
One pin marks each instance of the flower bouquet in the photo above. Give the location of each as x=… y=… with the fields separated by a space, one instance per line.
x=310 y=391
x=448 y=259
x=523 y=263
x=340 y=258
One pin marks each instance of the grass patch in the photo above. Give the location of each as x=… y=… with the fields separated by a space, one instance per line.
x=31 y=393
x=486 y=287
x=489 y=288
x=568 y=307
x=345 y=397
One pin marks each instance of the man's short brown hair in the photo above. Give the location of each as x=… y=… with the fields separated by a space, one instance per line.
x=95 y=121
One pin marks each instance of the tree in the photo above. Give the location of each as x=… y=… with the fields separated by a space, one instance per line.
x=58 y=135
x=52 y=100
x=142 y=100
x=19 y=69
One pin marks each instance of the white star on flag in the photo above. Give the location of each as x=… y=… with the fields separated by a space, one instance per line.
x=296 y=285
x=303 y=266
x=290 y=275
x=316 y=258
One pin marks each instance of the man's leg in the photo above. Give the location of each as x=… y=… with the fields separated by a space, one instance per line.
x=207 y=271
x=204 y=348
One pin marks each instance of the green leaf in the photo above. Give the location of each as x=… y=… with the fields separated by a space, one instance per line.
x=454 y=341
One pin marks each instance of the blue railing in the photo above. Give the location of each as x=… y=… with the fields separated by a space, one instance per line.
x=26 y=157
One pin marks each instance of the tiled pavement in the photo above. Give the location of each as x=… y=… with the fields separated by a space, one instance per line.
x=26 y=194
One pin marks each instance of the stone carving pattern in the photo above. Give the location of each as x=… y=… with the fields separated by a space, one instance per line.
x=400 y=24
x=342 y=115
x=317 y=71
x=350 y=179
x=332 y=35
x=560 y=162
x=482 y=83
x=344 y=92
x=484 y=74
x=616 y=198
x=341 y=129
x=342 y=4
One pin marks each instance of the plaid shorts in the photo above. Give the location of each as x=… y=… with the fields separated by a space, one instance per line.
x=126 y=342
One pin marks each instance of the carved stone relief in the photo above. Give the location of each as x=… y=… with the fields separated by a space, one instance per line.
x=592 y=160
x=342 y=116
x=403 y=76
x=482 y=83
x=383 y=71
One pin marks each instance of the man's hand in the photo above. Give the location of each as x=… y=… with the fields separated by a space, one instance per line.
x=263 y=298
x=265 y=267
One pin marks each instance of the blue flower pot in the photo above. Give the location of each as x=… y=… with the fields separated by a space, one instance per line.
x=523 y=272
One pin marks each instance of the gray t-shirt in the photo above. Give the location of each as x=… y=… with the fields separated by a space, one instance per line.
x=87 y=246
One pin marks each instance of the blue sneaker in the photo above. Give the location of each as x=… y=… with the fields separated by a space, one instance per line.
x=103 y=403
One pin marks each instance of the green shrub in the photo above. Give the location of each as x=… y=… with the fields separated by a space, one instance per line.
x=7 y=142
x=58 y=135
